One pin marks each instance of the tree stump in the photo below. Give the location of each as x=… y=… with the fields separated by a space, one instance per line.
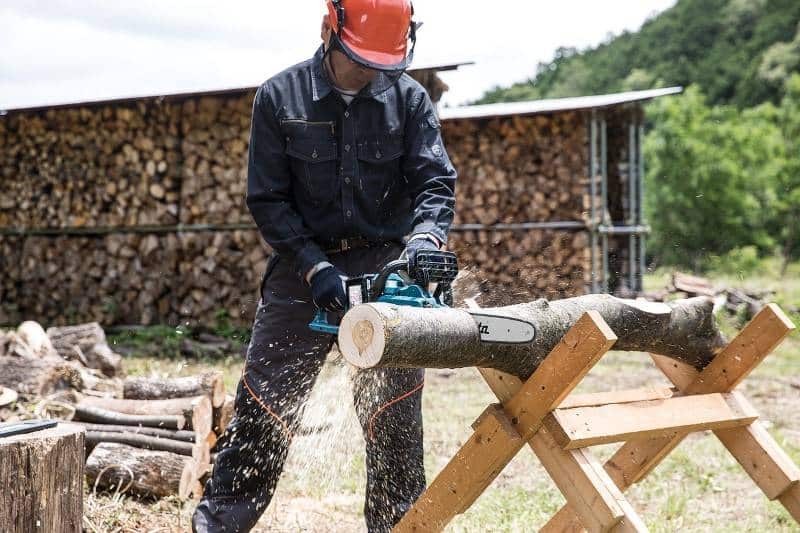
x=41 y=475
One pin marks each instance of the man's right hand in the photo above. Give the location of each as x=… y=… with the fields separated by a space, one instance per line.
x=327 y=289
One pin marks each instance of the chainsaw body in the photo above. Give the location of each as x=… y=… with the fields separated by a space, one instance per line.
x=395 y=285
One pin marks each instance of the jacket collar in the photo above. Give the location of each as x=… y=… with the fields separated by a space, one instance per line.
x=321 y=85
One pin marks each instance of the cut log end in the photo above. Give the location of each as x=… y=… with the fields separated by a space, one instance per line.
x=362 y=334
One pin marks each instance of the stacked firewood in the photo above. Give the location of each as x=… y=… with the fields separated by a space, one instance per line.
x=510 y=266
x=132 y=278
x=158 y=437
x=214 y=148
x=107 y=166
x=520 y=169
x=153 y=434
x=535 y=173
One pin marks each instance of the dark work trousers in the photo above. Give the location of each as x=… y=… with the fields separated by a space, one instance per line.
x=283 y=361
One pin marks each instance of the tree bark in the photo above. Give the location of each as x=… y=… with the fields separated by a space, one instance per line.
x=209 y=383
x=384 y=335
x=41 y=475
x=143 y=472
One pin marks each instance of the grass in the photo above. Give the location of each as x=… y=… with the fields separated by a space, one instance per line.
x=698 y=488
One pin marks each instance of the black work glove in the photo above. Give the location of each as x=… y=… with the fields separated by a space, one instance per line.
x=410 y=253
x=327 y=289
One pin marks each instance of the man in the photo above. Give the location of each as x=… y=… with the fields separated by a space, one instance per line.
x=346 y=158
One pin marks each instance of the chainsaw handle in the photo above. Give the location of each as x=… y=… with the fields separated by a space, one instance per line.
x=398 y=266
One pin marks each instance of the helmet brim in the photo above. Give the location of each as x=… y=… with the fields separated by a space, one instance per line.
x=374 y=60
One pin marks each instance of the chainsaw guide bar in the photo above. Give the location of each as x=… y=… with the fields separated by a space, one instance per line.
x=503 y=329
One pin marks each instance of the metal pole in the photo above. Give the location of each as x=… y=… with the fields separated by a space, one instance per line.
x=640 y=210
x=592 y=194
x=604 y=199
x=631 y=211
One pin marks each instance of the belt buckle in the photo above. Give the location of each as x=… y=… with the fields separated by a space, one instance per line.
x=344 y=245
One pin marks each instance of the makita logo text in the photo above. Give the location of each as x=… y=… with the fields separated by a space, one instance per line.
x=483 y=328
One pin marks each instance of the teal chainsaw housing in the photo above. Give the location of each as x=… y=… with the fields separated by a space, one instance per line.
x=395 y=285
x=396 y=291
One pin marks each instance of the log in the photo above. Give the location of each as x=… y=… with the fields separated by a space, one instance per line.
x=42 y=478
x=384 y=335
x=93 y=438
x=36 y=376
x=197 y=410
x=104 y=416
x=208 y=383
x=7 y=396
x=224 y=414
x=179 y=435
x=87 y=343
x=34 y=336
x=142 y=472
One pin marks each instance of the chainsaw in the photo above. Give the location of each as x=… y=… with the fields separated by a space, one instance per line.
x=395 y=284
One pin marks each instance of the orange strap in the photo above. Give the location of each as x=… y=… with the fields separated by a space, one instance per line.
x=266 y=408
x=389 y=404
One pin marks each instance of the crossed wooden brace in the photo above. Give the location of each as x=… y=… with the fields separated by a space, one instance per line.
x=651 y=423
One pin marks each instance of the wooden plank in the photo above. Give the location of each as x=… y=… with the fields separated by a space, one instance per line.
x=635 y=459
x=791 y=500
x=561 y=371
x=492 y=446
x=622 y=396
x=579 y=427
x=585 y=485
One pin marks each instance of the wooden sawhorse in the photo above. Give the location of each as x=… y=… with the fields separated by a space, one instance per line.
x=651 y=423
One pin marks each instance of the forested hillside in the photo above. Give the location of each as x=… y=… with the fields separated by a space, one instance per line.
x=723 y=159
x=739 y=52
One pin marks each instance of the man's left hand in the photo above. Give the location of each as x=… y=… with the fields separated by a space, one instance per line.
x=416 y=244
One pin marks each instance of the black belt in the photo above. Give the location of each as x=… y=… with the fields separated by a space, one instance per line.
x=351 y=243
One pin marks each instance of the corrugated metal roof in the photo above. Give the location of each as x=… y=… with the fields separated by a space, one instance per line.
x=534 y=107
x=230 y=91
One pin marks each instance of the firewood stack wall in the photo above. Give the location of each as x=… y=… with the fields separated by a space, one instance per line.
x=516 y=170
x=130 y=173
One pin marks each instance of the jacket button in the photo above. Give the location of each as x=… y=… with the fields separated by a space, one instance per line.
x=378 y=154
x=349 y=213
x=347 y=114
x=314 y=154
x=346 y=147
x=347 y=180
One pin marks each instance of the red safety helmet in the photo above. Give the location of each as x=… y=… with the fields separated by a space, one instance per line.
x=374 y=33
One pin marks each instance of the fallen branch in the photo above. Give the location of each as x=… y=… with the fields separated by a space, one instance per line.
x=104 y=416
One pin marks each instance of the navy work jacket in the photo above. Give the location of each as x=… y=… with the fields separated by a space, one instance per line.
x=320 y=171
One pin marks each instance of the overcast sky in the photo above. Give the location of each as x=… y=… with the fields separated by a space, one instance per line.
x=55 y=51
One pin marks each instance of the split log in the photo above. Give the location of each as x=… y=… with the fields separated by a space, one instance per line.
x=143 y=472
x=147 y=442
x=34 y=336
x=36 y=376
x=87 y=343
x=179 y=435
x=42 y=478
x=208 y=383
x=384 y=335
x=224 y=414
x=197 y=410
x=104 y=416
x=7 y=396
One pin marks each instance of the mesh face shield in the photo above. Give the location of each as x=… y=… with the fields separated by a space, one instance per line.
x=385 y=78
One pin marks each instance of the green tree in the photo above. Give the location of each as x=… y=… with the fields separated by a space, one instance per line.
x=711 y=178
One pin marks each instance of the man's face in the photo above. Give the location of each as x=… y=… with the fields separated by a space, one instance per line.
x=348 y=75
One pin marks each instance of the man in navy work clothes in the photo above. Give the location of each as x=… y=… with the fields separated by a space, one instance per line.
x=346 y=160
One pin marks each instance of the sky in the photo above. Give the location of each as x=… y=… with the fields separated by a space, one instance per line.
x=61 y=51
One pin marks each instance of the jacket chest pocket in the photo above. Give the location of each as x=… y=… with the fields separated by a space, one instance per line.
x=380 y=168
x=312 y=155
